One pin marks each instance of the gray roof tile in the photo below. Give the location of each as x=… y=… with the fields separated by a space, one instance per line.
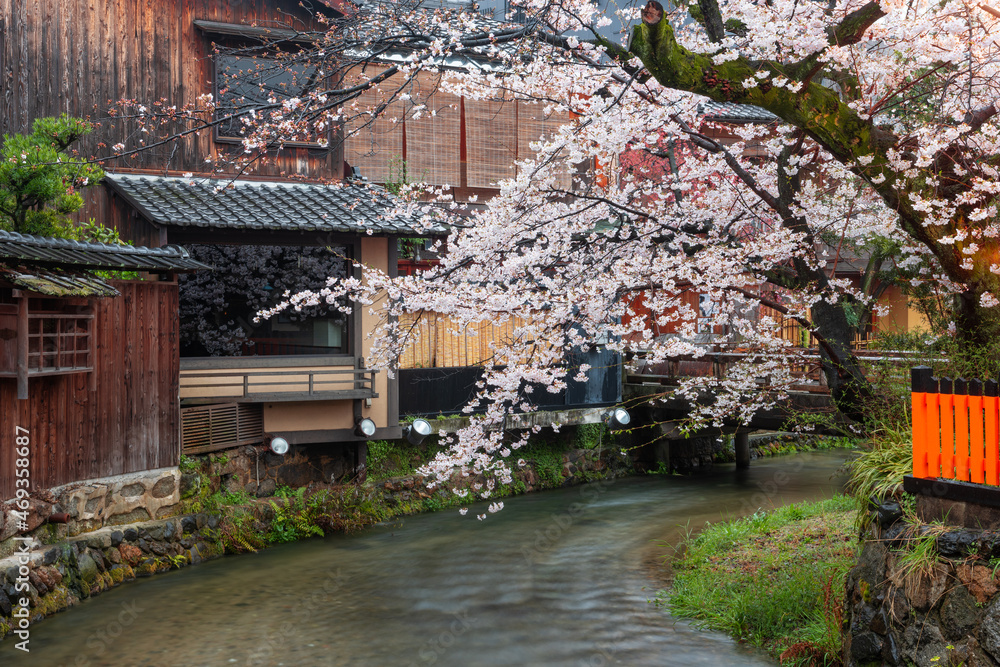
x=24 y=249
x=273 y=205
x=728 y=112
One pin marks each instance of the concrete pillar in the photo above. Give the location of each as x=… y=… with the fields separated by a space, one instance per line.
x=742 y=442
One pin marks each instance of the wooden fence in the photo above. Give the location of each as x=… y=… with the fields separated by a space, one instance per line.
x=955 y=428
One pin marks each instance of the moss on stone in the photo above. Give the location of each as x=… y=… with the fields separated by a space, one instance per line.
x=117 y=575
x=57 y=600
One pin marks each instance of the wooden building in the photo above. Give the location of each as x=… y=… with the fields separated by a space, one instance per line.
x=88 y=365
x=305 y=382
x=61 y=57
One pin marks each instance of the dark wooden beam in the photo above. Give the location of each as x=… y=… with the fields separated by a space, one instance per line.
x=22 y=345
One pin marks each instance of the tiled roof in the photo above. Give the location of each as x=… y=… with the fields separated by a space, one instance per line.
x=56 y=282
x=17 y=249
x=728 y=112
x=265 y=205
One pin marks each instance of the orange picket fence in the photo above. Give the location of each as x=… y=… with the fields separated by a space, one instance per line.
x=955 y=432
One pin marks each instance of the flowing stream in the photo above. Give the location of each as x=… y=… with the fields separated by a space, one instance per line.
x=556 y=578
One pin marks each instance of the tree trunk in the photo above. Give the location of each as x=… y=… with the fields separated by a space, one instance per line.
x=851 y=391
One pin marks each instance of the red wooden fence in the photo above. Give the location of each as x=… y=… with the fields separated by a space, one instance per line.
x=955 y=428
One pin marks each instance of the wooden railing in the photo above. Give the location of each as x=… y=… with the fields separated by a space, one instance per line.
x=955 y=428
x=277 y=385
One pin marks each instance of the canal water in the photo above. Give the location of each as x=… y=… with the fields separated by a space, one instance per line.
x=556 y=578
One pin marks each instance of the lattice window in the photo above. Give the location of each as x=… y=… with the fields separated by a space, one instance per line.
x=58 y=341
x=490 y=141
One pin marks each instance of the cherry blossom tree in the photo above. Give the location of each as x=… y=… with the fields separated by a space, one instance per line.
x=885 y=141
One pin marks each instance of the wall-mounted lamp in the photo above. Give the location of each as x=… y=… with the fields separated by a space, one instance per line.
x=417 y=431
x=365 y=428
x=279 y=446
x=618 y=418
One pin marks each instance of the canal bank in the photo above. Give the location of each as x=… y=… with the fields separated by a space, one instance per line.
x=225 y=509
x=557 y=578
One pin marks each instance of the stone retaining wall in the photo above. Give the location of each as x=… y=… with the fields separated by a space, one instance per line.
x=947 y=614
x=52 y=578
x=259 y=471
x=94 y=504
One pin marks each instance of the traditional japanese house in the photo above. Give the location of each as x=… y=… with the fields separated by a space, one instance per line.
x=299 y=375
x=88 y=361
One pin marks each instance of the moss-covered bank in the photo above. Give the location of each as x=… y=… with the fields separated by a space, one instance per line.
x=774 y=580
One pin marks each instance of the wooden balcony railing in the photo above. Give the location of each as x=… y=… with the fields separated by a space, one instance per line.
x=264 y=385
x=955 y=428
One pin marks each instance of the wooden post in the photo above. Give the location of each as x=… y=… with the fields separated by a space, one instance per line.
x=991 y=417
x=742 y=442
x=22 y=345
x=960 y=406
x=977 y=440
x=920 y=378
x=947 y=425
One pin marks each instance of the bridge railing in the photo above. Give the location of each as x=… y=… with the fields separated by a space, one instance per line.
x=955 y=428
x=805 y=365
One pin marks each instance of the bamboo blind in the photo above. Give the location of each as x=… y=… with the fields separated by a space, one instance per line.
x=432 y=139
x=438 y=342
x=373 y=145
x=534 y=124
x=490 y=141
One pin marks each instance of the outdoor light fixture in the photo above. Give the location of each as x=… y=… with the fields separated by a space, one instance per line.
x=617 y=418
x=365 y=428
x=279 y=446
x=417 y=431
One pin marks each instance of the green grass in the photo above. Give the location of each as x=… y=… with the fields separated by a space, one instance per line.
x=774 y=580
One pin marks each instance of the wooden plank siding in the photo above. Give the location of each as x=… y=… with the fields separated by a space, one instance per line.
x=131 y=423
x=75 y=57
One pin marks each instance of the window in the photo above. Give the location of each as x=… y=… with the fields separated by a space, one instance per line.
x=217 y=308
x=250 y=81
x=60 y=338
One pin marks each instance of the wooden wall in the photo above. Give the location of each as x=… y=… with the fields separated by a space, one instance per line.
x=130 y=423
x=58 y=56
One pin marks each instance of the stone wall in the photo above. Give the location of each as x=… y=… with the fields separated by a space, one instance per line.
x=94 y=504
x=52 y=578
x=259 y=471
x=947 y=613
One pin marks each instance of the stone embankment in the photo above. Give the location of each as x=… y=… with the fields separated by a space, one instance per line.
x=938 y=605
x=54 y=577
